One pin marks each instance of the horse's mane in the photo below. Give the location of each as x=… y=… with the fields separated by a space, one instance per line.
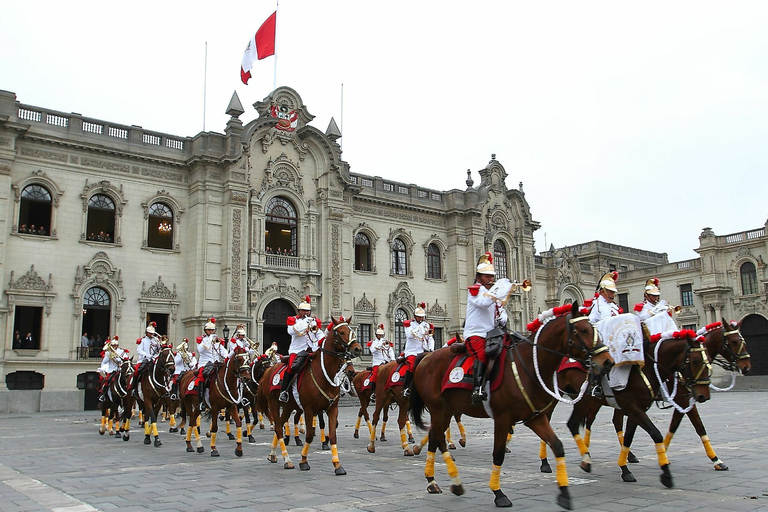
x=548 y=315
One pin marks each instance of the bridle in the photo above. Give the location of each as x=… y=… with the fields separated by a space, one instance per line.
x=343 y=352
x=120 y=387
x=243 y=368
x=683 y=373
x=167 y=369
x=735 y=355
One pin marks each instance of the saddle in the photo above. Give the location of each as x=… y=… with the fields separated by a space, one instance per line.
x=460 y=372
x=397 y=378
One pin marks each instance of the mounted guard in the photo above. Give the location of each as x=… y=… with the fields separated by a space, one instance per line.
x=418 y=339
x=382 y=352
x=212 y=351
x=306 y=332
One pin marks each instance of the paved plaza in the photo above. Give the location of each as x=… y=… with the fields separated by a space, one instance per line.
x=58 y=461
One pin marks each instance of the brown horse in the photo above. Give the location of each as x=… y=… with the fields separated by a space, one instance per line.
x=364 y=395
x=225 y=391
x=317 y=388
x=522 y=396
x=384 y=398
x=152 y=386
x=663 y=361
x=114 y=407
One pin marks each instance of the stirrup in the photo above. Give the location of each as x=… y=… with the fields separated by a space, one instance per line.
x=478 y=397
x=283 y=396
x=101 y=398
x=373 y=395
x=407 y=392
x=597 y=391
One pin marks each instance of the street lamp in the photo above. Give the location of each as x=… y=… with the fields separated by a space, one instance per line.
x=226 y=333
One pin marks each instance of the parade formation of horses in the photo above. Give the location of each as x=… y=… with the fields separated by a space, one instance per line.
x=521 y=397
x=152 y=386
x=364 y=395
x=315 y=389
x=389 y=390
x=117 y=406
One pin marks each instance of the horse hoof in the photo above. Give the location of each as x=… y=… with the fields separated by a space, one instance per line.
x=458 y=490
x=239 y=453
x=632 y=459
x=666 y=477
x=182 y=432
x=261 y=427
x=207 y=434
x=507 y=450
x=272 y=459
x=383 y=439
x=126 y=437
x=340 y=471
x=190 y=449
x=545 y=467
x=288 y=466
x=565 y=502
x=271 y=428
x=451 y=446
x=304 y=466
x=371 y=449
x=416 y=449
x=411 y=439
x=433 y=488
x=200 y=450
x=287 y=440
x=231 y=436
x=118 y=435
x=356 y=435
x=251 y=439
x=298 y=441
x=173 y=430
x=501 y=499
x=158 y=443
x=586 y=466
x=325 y=446
x=463 y=443
x=147 y=440
x=407 y=453
x=101 y=431
x=627 y=475
x=721 y=467
x=214 y=453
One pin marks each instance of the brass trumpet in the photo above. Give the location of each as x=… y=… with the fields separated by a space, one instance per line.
x=525 y=285
x=676 y=309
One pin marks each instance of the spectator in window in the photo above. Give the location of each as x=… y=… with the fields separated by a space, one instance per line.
x=268 y=250
x=101 y=237
x=41 y=231
x=23 y=228
x=84 y=344
x=108 y=237
x=32 y=230
x=17 y=340
x=28 y=342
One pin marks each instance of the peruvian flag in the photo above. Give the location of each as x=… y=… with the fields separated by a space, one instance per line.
x=260 y=46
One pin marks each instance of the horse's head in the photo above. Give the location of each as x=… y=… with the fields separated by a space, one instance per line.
x=343 y=338
x=695 y=369
x=240 y=366
x=734 y=347
x=165 y=361
x=585 y=344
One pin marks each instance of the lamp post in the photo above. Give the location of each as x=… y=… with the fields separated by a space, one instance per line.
x=226 y=333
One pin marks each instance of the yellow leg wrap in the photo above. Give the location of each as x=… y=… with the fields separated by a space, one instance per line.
x=708 y=447
x=462 y=431
x=403 y=439
x=295 y=431
x=623 y=455
x=408 y=427
x=383 y=427
x=197 y=434
x=453 y=470
x=283 y=449
x=274 y=442
x=580 y=443
x=448 y=435
x=127 y=425
x=542 y=450
x=494 y=484
x=429 y=468
x=249 y=429
x=661 y=451
x=561 y=472
x=587 y=437
x=154 y=429
x=424 y=440
x=189 y=435
x=373 y=432
x=228 y=429
x=198 y=422
x=314 y=421
x=104 y=421
x=370 y=429
x=305 y=450
x=239 y=434
x=322 y=435
x=287 y=430
x=620 y=436
x=213 y=440
x=668 y=439
x=147 y=428
x=173 y=420
x=334 y=453
x=357 y=424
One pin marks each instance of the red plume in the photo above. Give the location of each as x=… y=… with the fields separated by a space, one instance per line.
x=213 y=320
x=615 y=276
x=656 y=281
x=490 y=257
x=423 y=305
x=115 y=337
x=307 y=299
x=381 y=326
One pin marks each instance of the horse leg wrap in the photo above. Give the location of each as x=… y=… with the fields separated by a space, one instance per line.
x=283 y=449
x=494 y=483
x=249 y=429
x=588 y=437
x=448 y=435
x=305 y=451
x=383 y=427
x=462 y=431
x=295 y=431
x=322 y=435
x=154 y=430
x=334 y=454
x=147 y=428
x=623 y=455
x=103 y=422
x=188 y=437
x=314 y=421
x=173 y=421
x=213 y=440
x=543 y=449
x=239 y=435
x=370 y=429
x=373 y=432
x=403 y=439
x=408 y=427
x=287 y=430
x=708 y=447
x=581 y=444
x=357 y=424
x=453 y=470
x=429 y=468
x=198 y=442
x=661 y=451
x=228 y=428
x=560 y=472
x=424 y=440
x=670 y=435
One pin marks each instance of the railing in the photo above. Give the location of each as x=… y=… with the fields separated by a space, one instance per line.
x=745 y=235
x=273 y=260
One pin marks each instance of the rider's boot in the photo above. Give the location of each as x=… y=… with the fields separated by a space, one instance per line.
x=478 y=383
x=407 y=384
x=287 y=379
x=373 y=391
x=597 y=389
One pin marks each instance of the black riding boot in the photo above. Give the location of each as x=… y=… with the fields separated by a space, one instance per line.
x=597 y=388
x=373 y=391
x=284 y=396
x=478 y=383
x=407 y=384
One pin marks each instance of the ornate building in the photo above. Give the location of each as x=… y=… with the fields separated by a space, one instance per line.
x=106 y=227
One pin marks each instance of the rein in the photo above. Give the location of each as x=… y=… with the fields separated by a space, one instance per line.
x=669 y=397
x=228 y=395
x=340 y=377
x=153 y=380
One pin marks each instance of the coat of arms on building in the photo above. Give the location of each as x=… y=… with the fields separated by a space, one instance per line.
x=288 y=118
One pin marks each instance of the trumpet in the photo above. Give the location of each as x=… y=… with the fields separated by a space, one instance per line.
x=676 y=309
x=525 y=285
x=253 y=344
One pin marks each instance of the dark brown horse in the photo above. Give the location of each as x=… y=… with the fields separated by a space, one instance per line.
x=225 y=391
x=384 y=398
x=317 y=388
x=118 y=404
x=522 y=396
x=153 y=385
x=364 y=395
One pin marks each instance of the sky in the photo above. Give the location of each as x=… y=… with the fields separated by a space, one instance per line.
x=634 y=123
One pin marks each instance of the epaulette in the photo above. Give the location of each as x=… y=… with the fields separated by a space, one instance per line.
x=319 y=323
x=474 y=290
x=291 y=320
x=369 y=343
x=199 y=339
x=639 y=307
x=406 y=323
x=621 y=310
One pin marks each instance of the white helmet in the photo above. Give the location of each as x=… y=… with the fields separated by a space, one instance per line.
x=211 y=325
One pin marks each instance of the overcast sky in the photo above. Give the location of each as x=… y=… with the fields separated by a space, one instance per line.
x=632 y=123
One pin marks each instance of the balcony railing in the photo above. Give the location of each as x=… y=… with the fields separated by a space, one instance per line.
x=274 y=260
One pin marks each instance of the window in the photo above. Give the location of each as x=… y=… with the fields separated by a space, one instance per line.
x=438 y=337
x=24 y=380
x=748 y=279
x=624 y=302
x=364 y=335
x=500 y=258
x=686 y=295
x=434 y=270
x=96 y=315
x=26 y=327
x=160 y=226
x=399 y=266
x=281 y=228
x=400 y=317
x=101 y=219
x=362 y=252
x=692 y=327
x=35 y=211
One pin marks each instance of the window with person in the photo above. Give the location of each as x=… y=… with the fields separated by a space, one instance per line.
x=399 y=259
x=280 y=227
x=748 y=278
x=96 y=314
x=434 y=263
x=100 y=226
x=27 y=322
x=35 y=210
x=362 y=252
x=500 y=258
x=160 y=226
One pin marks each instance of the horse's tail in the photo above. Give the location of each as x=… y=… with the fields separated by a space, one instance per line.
x=208 y=414
x=417 y=403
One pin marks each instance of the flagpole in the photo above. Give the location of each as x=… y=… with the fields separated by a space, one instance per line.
x=205 y=81
x=274 y=73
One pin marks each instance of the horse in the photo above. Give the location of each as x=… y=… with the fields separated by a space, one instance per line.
x=521 y=396
x=152 y=386
x=113 y=407
x=663 y=360
x=384 y=398
x=224 y=392
x=314 y=390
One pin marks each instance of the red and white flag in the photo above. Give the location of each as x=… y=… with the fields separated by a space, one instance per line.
x=260 y=46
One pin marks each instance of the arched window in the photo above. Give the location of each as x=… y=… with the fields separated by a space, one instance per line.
x=280 y=227
x=399 y=262
x=400 y=317
x=101 y=219
x=500 y=259
x=748 y=279
x=362 y=252
x=35 y=211
x=434 y=267
x=160 y=226
x=96 y=314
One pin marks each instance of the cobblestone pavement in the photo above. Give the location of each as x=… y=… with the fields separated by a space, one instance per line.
x=58 y=461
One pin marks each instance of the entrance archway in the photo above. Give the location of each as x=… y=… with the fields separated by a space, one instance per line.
x=275 y=328
x=754 y=328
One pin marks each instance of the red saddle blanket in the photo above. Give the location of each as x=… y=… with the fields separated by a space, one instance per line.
x=567 y=363
x=459 y=374
x=369 y=379
x=398 y=376
x=279 y=375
